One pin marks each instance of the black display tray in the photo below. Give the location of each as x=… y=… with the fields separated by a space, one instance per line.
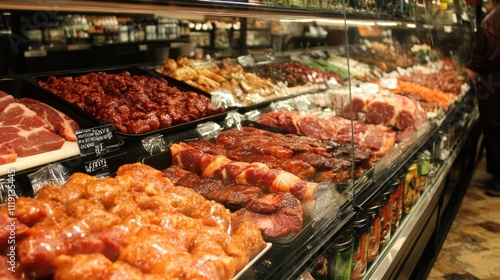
x=240 y=108
x=19 y=87
x=133 y=70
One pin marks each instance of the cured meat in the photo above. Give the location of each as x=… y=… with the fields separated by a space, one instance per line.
x=257 y=174
x=377 y=138
x=56 y=121
x=390 y=110
x=23 y=131
x=135 y=225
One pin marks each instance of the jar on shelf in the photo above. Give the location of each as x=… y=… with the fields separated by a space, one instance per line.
x=373 y=212
x=410 y=191
x=423 y=165
x=385 y=216
x=360 y=255
x=396 y=203
x=340 y=255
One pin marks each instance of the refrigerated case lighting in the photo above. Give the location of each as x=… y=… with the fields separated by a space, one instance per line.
x=387 y=23
x=333 y=21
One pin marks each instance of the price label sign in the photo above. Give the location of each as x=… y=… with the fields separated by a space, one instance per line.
x=97 y=165
x=96 y=140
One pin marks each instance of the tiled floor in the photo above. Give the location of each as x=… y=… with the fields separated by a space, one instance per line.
x=472 y=248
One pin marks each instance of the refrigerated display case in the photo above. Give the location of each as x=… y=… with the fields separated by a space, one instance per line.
x=337 y=54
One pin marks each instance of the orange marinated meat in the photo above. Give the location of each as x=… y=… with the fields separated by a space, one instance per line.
x=137 y=225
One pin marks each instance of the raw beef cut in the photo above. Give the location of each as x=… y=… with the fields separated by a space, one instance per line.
x=7 y=155
x=378 y=138
x=276 y=214
x=24 y=132
x=56 y=121
x=390 y=110
x=5 y=99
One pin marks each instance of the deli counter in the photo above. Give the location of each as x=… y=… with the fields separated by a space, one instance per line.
x=233 y=139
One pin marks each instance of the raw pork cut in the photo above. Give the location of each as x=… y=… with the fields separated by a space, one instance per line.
x=5 y=99
x=390 y=110
x=24 y=132
x=56 y=121
x=7 y=155
x=378 y=138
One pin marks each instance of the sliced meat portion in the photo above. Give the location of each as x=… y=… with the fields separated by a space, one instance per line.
x=378 y=138
x=7 y=155
x=57 y=121
x=29 y=142
x=22 y=131
x=5 y=100
x=277 y=215
x=391 y=110
x=16 y=114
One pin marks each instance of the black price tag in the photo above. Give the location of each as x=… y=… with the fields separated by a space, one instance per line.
x=97 y=139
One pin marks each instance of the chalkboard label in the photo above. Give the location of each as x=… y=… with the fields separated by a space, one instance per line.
x=97 y=139
x=97 y=165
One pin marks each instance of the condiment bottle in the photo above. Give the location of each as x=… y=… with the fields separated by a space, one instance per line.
x=410 y=192
x=396 y=203
x=423 y=170
x=385 y=216
x=340 y=256
x=373 y=211
x=360 y=260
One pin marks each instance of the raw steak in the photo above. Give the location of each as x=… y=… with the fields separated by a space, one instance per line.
x=378 y=138
x=56 y=121
x=24 y=132
x=390 y=110
x=7 y=155
x=5 y=100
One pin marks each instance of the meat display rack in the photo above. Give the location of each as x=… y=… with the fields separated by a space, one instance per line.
x=396 y=160
x=331 y=201
x=284 y=262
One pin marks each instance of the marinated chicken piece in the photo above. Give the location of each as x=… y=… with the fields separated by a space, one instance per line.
x=94 y=267
x=137 y=225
